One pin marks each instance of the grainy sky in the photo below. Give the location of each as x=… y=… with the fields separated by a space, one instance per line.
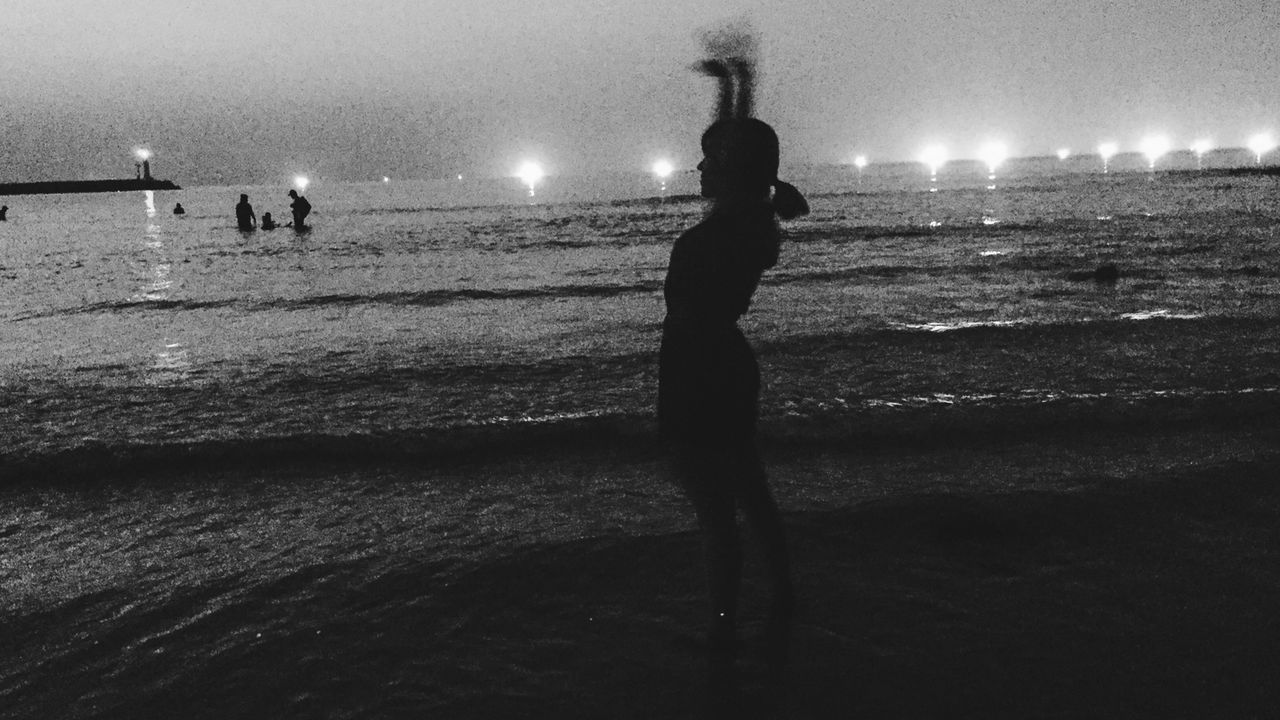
x=236 y=91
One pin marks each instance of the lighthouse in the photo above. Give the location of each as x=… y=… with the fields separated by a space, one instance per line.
x=144 y=166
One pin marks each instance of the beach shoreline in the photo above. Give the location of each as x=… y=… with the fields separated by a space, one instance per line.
x=1100 y=573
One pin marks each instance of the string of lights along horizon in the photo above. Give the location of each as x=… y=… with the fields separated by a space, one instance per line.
x=992 y=154
x=1152 y=147
x=933 y=157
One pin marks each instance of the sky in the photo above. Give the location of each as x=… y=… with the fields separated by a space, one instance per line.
x=247 y=91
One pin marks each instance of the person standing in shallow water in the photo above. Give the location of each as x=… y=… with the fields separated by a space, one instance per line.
x=708 y=378
x=301 y=208
x=245 y=218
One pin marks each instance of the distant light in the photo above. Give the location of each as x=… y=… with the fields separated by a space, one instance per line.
x=860 y=161
x=386 y=179
x=934 y=157
x=993 y=154
x=1107 y=150
x=142 y=154
x=663 y=169
x=1200 y=147
x=1064 y=153
x=1154 y=147
x=1261 y=144
x=301 y=182
x=459 y=176
x=530 y=173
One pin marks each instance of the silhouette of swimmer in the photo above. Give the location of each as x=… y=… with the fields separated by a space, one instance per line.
x=244 y=214
x=301 y=208
x=708 y=379
x=267 y=223
x=179 y=210
x=4 y=209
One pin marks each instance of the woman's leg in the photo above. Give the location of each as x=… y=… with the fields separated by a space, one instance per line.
x=762 y=514
x=703 y=477
x=766 y=522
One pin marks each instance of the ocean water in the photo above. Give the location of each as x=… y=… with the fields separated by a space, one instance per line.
x=194 y=367
x=428 y=306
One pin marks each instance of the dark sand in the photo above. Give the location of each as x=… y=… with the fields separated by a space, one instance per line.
x=1131 y=572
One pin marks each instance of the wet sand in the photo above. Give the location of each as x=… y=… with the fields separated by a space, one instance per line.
x=1127 y=572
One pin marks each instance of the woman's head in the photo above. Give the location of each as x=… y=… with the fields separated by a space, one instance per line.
x=740 y=157
x=740 y=162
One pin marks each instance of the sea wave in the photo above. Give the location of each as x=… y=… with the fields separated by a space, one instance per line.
x=604 y=289
x=441 y=297
x=423 y=298
x=913 y=420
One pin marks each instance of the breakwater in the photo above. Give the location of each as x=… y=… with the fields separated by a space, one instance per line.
x=85 y=186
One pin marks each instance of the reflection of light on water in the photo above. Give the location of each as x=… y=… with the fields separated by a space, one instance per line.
x=1034 y=396
x=543 y=419
x=986 y=220
x=989 y=253
x=1160 y=314
x=158 y=288
x=957 y=325
x=1104 y=218
x=173 y=356
x=967 y=324
x=172 y=364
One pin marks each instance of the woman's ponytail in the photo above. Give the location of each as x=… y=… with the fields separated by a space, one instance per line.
x=788 y=203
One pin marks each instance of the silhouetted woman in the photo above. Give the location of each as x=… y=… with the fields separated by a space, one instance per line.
x=708 y=377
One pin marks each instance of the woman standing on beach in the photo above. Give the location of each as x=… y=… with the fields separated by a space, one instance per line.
x=708 y=377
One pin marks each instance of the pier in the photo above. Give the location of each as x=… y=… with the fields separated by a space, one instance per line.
x=86 y=186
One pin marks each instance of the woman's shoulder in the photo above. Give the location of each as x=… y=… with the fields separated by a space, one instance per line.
x=709 y=227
